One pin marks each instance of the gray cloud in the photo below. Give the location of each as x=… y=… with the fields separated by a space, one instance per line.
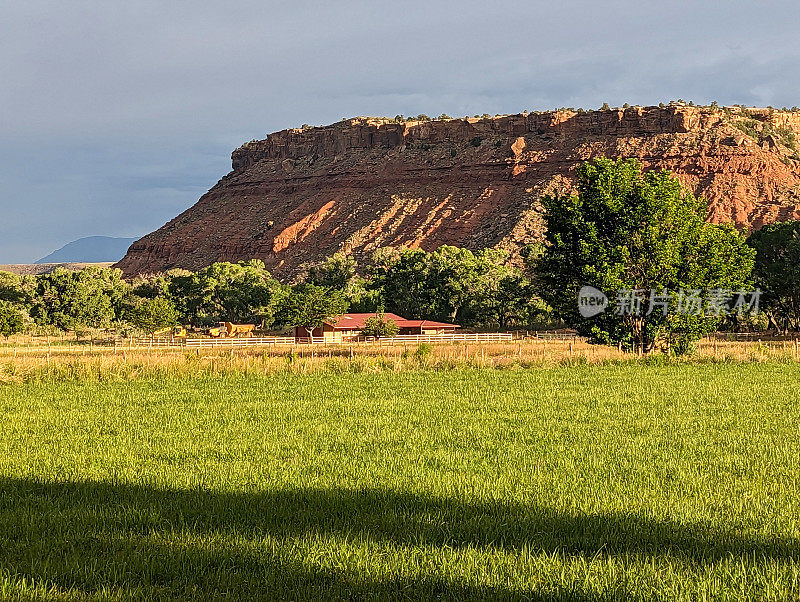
x=114 y=117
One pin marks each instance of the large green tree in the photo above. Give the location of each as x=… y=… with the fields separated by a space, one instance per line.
x=154 y=314
x=777 y=272
x=401 y=278
x=452 y=284
x=235 y=292
x=93 y=297
x=337 y=271
x=11 y=321
x=340 y=272
x=15 y=289
x=308 y=306
x=626 y=230
x=504 y=296
x=454 y=280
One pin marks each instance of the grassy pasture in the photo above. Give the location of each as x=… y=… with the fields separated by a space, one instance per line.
x=24 y=360
x=621 y=481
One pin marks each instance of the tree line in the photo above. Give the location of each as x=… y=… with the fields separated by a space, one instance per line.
x=481 y=290
x=621 y=230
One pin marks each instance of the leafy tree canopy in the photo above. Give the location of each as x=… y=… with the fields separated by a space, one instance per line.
x=777 y=272
x=11 y=321
x=15 y=289
x=452 y=284
x=235 y=292
x=154 y=314
x=91 y=297
x=336 y=271
x=309 y=306
x=340 y=272
x=625 y=230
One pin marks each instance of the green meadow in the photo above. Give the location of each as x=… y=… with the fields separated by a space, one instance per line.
x=619 y=481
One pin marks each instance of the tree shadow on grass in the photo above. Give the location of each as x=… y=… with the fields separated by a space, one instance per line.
x=149 y=542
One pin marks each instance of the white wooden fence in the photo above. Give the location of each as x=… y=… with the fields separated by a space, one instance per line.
x=238 y=342
x=554 y=336
x=227 y=343
x=751 y=336
x=472 y=337
x=405 y=339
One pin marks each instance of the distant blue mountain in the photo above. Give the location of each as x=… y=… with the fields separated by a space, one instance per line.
x=92 y=249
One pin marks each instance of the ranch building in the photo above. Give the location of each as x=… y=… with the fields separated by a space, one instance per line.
x=348 y=326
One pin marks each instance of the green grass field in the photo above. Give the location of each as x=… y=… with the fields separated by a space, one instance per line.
x=622 y=481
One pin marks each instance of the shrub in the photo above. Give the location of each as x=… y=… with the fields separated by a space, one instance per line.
x=423 y=352
x=760 y=131
x=377 y=326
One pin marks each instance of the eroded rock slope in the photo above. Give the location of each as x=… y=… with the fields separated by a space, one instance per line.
x=364 y=183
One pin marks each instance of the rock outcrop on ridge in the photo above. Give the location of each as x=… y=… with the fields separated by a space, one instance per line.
x=364 y=183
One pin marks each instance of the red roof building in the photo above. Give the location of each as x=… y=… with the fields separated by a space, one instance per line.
x=349 y=326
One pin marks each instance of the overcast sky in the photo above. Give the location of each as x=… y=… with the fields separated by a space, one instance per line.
x=116 y=116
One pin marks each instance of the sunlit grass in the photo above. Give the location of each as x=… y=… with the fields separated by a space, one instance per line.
x=22 y=361
x=625 y=480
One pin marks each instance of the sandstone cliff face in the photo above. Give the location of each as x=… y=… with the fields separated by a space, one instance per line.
x=365 y=183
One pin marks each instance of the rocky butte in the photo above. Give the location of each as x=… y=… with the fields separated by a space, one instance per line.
x=364 y=183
